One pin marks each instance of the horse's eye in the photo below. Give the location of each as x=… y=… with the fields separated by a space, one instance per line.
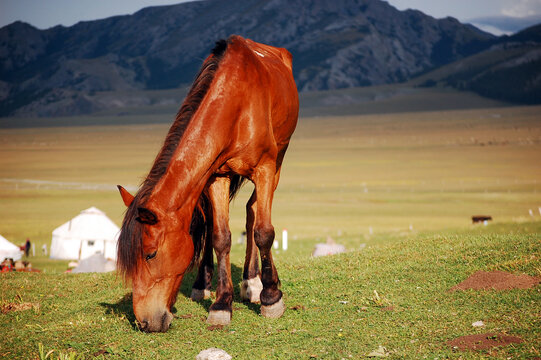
x=151 y=256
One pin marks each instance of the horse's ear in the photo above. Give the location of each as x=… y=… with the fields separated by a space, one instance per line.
x=146 y=216
x=126 y=196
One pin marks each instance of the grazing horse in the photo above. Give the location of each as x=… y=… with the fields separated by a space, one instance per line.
x=235 y=124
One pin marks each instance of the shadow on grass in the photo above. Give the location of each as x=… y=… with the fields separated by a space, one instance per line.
x=123 y=307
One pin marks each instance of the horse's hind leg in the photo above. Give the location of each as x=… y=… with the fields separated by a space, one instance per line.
x=221 y=309
x=203 y=283
x=266 y=181
x=251 y=281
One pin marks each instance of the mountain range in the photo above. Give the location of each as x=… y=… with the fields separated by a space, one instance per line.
x=335 y=44
x=510 y=70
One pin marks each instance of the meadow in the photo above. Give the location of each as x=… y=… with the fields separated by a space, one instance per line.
x=342 y=176
x=398 y=190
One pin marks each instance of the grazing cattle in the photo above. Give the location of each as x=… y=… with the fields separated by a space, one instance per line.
x=480 y=218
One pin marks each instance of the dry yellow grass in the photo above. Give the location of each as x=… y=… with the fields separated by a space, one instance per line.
x=342 y=176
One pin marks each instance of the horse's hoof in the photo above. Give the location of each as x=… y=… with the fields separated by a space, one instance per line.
x=198 y=295
x=273 y=311
x=219 y=317
x=250 y=290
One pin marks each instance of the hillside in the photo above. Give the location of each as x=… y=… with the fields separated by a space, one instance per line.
x=335 y=44
x=509 y=70
x=394 y=295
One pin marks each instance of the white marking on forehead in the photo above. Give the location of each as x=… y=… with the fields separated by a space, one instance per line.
x=258 y=53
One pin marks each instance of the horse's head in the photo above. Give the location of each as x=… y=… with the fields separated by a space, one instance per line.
x=154 y=251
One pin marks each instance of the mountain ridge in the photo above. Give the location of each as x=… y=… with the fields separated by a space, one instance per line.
x=335 y=44
x=510 y=70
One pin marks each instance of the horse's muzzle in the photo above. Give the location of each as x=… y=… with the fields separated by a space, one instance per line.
x=159 y=323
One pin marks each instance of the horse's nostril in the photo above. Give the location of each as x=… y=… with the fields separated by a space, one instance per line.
x=143 y=325
x=166 y=322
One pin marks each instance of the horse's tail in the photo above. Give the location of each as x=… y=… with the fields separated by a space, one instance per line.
x=201 y=226
x=234 y=186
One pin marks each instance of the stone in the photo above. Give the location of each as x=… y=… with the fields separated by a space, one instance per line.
x=213 y=354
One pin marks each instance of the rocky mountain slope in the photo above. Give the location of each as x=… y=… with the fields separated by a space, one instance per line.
x=509 y=70
x=335 y=44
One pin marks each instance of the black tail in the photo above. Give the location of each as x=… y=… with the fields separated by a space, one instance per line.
x=236 y=183
x=201 y=226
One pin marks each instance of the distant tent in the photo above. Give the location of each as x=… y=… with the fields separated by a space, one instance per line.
x=88 y=233
x=9 y=250
x=95 y=263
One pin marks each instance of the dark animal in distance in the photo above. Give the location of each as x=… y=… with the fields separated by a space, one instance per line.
x=480 y=218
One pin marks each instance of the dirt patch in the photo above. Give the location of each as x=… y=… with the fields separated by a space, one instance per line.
x=9 y=307
x=483 y=341
x=185 y=316
x=497 y=280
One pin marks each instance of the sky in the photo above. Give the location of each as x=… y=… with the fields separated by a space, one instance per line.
x=47 y=13
x=522 y=13
x=44 y=14
x=465 y=10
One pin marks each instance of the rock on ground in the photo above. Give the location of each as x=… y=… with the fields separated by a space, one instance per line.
x=213 y=354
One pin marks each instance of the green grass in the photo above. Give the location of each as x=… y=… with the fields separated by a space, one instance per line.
x=332 y=313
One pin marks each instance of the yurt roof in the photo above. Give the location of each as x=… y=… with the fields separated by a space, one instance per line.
x=91 y=223
x=9 y=250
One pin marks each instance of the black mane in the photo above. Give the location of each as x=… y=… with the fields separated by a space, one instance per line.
x=130 y=245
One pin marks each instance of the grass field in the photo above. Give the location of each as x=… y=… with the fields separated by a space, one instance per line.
x=333 y=311
x=342 y=175
x=403 y=185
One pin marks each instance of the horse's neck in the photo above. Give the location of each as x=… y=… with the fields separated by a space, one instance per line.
x=190 y=167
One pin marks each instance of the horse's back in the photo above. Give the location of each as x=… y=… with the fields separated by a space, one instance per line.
x=267 y=70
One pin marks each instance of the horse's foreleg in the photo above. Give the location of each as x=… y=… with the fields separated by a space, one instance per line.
x=221 y=309
x=203 y=283
x=251 y=281
x=266 y=181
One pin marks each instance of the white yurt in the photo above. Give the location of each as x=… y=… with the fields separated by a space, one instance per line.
x=9 y=250
x=88 y=233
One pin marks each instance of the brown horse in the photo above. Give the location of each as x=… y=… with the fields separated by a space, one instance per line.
x=235 y=124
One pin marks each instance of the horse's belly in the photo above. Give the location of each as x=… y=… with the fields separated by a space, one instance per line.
x=235 y=166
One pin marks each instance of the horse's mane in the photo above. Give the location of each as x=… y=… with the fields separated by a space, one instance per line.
x=190 y=105
x=130 y=245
